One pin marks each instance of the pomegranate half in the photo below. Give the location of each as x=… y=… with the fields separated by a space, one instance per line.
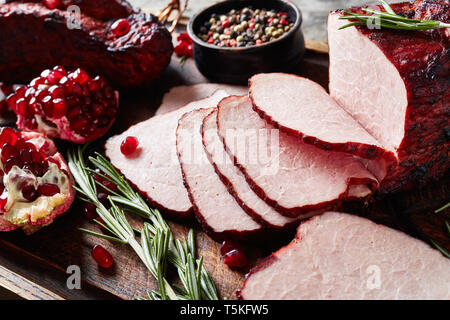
x=70 y=106
x=35 y=181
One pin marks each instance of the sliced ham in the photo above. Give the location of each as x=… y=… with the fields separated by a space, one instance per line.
x=396 y=85
x=154 y=169
x=302 y=108
x=214 y=207
x=234 y=179
x=182 y=95
x=341 y=256
x=291 y=176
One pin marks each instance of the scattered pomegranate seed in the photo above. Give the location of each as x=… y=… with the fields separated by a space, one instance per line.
x=103 y=258
x=121 y=27
x=90 y=211
x=129 y=145
x=233 y=254
x=228 y=246
x=235 y=259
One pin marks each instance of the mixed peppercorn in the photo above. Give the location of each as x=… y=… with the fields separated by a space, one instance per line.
x=245 y=27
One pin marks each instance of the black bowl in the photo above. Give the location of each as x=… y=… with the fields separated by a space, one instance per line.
x=236 y=65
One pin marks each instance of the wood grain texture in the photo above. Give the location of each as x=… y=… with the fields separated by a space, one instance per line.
x=23 y=287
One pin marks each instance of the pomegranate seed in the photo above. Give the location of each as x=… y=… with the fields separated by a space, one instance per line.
x=25 y=157
x=80 y=76
x=39 y=169
x=41 y=94
x=10 y=163
x=9 y=152
x=29 y=193
x=9 y=136
x=60 y=69
x=79 y=124
x=22 y=108
x=56 y=91
x=59 y=108
x=6 y=89
x=102 y=256
x=29 y=93
x=36 y=82
x=90 y=211
x=120 y=27
x=235 y=259
x=228 y=246
x=54 y=76
x=30 y=124
x=48 y=189
x=67 y=84
x=52 y=4
x=47 y=106
x=11 y=101
x=129 y=145
x=37 y=156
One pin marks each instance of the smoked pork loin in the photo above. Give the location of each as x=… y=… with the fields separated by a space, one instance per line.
x=341 y=256
x=302 y=108
x=234 y=179
x=395 y=83
x=215 y=208
x=155 y=169
x=292 y=176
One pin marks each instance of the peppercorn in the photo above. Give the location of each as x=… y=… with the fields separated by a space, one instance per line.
x=245 y=27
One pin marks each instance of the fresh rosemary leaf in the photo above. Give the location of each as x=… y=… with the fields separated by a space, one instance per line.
x=389 y=20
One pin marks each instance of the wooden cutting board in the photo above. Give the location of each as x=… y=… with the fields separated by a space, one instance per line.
x=34 y=267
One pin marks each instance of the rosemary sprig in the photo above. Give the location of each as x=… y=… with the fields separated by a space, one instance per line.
x=389 y=20
x=157 y=242
x=444 y=251
x=179 y=254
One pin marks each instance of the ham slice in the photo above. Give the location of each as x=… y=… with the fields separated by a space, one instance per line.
x=214 y=207
x=234 y=179
x=396 y=85
x=341 y=256
x=302 y=108
x=291 y=176
x=154 y=169
x=182 y=95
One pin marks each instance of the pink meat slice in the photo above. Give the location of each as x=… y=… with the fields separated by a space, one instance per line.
x=341 y=256
x=291 y=176
x=154 y=169
x=214 y=207
x=396 y=85
x=302 y=108
x=182 y=95
x=235 y=180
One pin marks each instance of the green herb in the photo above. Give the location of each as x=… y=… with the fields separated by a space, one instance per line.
x=389 y=20
x=157 y=246
x=444 y=251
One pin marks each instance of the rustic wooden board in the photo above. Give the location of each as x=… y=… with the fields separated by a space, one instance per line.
x=43 y=258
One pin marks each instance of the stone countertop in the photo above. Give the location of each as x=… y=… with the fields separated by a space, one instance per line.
x=314 y=12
